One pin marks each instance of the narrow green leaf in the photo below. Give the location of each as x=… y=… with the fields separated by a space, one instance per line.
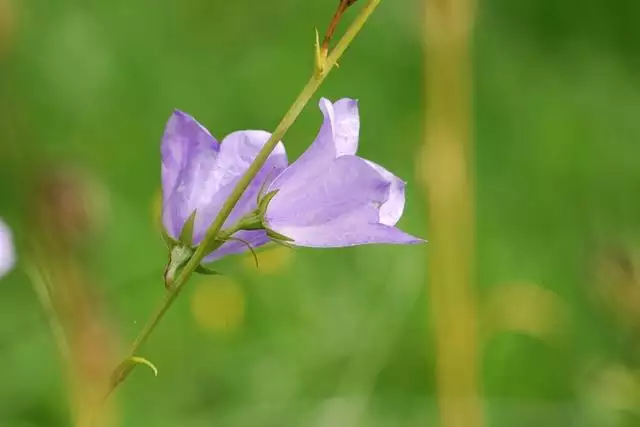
x=142 y=361
x=126 y=366
x=206 y=271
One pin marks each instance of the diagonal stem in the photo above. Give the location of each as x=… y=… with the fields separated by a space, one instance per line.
x=213 y=233
x=307 y=92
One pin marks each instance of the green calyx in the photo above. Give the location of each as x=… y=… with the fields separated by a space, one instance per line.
x=252 y=221
x=263 y=204
x=178 y=258
x=183 y=249
x=186 y=235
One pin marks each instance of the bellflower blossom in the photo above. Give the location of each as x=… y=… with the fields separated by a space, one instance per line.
x=199 y=174
x=7 y=251
x=330 y=197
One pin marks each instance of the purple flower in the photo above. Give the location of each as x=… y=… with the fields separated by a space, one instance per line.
x=7 y=251
x=330 y=197
x=198 y=174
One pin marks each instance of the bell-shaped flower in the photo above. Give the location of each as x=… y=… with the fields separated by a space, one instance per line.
x=199 y=174
x=330 y=197
x=7 y=251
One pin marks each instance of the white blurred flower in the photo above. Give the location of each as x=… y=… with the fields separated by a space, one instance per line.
x=7 y=251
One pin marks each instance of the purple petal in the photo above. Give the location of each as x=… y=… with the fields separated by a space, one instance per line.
x=392 y=209
x=353 y=202
x=353 y=228
x=199 y=174
x=341 y=208
x=7 y=251
x=344 y=119
x=237 y=152
x=188 y=154
x=338 y=136
x=347 y=184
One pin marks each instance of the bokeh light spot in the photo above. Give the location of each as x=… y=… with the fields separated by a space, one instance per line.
x=271 y=260
x=218 y=305
x=525 y=307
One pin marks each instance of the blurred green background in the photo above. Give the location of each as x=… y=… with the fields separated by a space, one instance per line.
x=335 y=337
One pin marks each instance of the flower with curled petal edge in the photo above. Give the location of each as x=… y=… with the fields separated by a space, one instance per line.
x=330 y=197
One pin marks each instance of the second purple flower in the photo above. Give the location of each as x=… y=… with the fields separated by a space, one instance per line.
x=199 y=173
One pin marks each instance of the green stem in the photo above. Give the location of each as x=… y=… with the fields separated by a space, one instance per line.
x=213 y=233
x=312 y=85
x=180 y=280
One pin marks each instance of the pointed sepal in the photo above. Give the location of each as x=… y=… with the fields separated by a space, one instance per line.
x=168 y=240
x=264 y=202
x=283 y=243
x=274 y=235
x=201 y=269
x=186 y=235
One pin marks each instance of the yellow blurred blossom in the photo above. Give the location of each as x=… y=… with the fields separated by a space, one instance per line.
x=524 y=307
x=218 y=304
x=271 y=260
x=617 y=387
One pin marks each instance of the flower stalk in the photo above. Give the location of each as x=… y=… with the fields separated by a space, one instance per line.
x=446 y=172
x=215 y=236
